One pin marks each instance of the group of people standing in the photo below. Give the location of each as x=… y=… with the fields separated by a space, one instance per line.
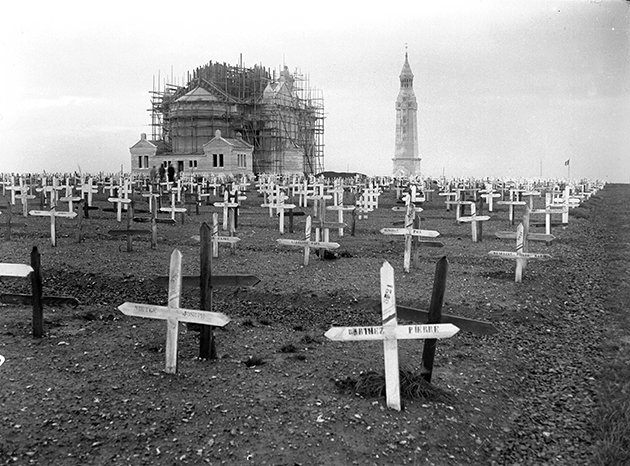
x=162 y=174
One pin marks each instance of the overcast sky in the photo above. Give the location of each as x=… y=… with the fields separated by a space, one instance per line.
x=504 y=88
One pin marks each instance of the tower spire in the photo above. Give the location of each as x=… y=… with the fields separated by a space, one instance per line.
x=406 y=159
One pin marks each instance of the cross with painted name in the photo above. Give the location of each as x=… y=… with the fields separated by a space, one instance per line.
x=306 y=243
x=409 y=232
x=520 y=255
x=390 y=332
x=172 y=313
x=53 y=214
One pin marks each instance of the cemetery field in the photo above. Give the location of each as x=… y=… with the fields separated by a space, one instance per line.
x=549 y=387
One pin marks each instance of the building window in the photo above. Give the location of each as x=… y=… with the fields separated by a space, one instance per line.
x=192 y=164
x=242 y=160
x=217 y=160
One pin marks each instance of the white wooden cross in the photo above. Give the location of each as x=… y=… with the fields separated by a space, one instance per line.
x=409 y=232
x=520 y=255
x=548 y=211
x=450 y=196
x=276 y=202
x=172 y=313
x=88 y=188
x=511 y=204
x=173 y=209
x=473 y=219
x=527 y=235
x=306 y=243
x=24 y=197
x=226 y=205
x=337 y=194
x=390 y=332
x=119 y=201
x=53 y=214
x=216 y=238
x=371 y=195
x=50 y=191
x=489 y=194
x=415 y=195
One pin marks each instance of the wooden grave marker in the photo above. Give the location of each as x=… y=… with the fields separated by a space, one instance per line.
x=206 y=281
x=173 y=209
x=476 y=222
x=53 y=214
x=8 y=225
x=339 y=206
x=129 y=232
x=409 y=232
x=36 y=298
x=306 y=243
x=229 y=211
x=172 y=313
x=512 y=203
x=527 y=235
x=277 y=202
x=520 y=255
x=390 y=332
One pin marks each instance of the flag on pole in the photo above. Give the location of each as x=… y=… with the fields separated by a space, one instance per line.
x=567 y=162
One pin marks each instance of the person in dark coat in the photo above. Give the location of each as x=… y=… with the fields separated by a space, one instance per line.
x=171 y=173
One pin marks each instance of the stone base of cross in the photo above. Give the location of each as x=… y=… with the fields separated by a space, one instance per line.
x=307 y=244
x=390 y=332
x=172 y=313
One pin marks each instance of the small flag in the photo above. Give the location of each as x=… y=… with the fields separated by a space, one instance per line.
x=567 y=162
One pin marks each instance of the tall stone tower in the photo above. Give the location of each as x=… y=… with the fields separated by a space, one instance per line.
x=406 y=158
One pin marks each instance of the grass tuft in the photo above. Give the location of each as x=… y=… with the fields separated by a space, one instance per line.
x=254 y=361
x=412 y=387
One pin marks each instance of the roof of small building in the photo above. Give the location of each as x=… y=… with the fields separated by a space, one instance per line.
x=237 y=143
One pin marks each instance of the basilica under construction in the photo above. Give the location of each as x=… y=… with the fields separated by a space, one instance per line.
x=234 y=120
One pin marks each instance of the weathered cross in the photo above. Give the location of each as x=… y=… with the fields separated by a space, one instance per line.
x=338 y=205
x=475 y=223
x=390 y=332
x=206 y=281
x=35 y=299
x=409 y=232
x=306 y=243
x=520 y=255
x=129 y=232
x=53 y=214
x=173 y=313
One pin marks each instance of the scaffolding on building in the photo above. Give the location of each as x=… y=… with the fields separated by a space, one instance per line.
x=232 y=99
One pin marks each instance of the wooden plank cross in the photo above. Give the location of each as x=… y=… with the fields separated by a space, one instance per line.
x=36 y=298
x=520 y=255
x=306 y=243
x=173 y=209
x=206 y=281
x=475 y=223
x=173 y=313
x=129 y=232
x=53 y=214
x=390 y=332
x=9 y=224
x=409 y=232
